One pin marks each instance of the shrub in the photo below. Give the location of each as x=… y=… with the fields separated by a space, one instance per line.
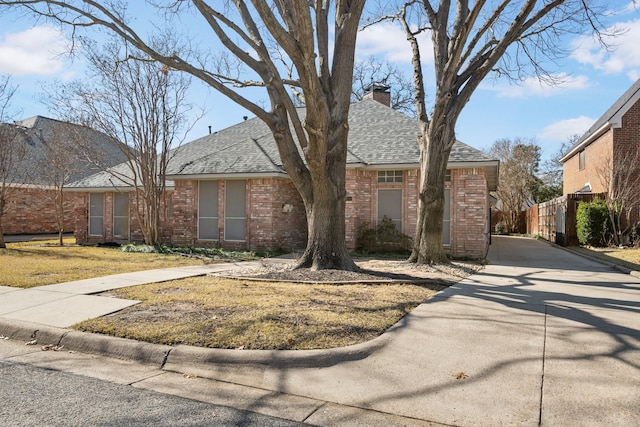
x=384 y=238
x=592 y=222
x=501 y=228
x=635 y=236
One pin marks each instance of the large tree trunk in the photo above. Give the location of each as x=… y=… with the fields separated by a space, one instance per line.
x=326 y=244
x=435 y=146
x=321 y=184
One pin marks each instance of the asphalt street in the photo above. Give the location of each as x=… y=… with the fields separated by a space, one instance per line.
x=33 y=396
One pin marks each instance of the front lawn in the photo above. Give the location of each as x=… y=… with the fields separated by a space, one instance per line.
x=30 y=264
x=627 y=257
x=229 y=313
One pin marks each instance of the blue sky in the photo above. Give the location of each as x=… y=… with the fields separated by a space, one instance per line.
x=593 y=80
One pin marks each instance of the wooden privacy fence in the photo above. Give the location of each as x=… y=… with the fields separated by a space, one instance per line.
x=555 y=220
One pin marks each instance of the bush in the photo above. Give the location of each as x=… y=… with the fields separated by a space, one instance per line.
x=145 y=249
x=635 y=236
x=501 y=228
x=385 y=238
x=592 y=222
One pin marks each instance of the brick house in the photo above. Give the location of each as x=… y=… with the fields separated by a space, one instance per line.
x=230 y=189
x=30 y=208
x=611 y=145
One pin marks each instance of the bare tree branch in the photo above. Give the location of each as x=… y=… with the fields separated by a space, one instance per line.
x=12 y=150
x=301 y=30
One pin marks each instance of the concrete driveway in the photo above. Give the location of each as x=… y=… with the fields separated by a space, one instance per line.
x=541 y=336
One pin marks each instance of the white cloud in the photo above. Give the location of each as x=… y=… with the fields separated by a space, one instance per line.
x=562 y=130
x=388 y=40
x=36 y=51
x=532 y=86
x=625 y=57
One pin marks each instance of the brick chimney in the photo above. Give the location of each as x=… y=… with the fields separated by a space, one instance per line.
x=378 y=92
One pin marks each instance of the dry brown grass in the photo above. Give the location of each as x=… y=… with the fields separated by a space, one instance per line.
x=627 y=257
x=228 y=313
x=32 y=264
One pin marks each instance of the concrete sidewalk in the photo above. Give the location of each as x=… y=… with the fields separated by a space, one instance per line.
x=65 y=304
x=541 y=336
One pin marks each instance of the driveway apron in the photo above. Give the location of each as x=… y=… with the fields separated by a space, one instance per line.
x=540 y=336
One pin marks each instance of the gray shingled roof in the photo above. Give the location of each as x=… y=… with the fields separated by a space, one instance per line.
x=378 y=136
x=37 y=132
x=244 y=148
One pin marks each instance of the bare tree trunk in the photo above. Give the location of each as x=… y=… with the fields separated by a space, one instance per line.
x=434 y=157
x=60 y=208
x=326 y=245
x=2 y=244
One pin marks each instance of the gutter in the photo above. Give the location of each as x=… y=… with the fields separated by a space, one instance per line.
x=599 y=132
x=228 y=176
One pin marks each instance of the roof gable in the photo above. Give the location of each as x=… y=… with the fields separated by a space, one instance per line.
x=612 y=118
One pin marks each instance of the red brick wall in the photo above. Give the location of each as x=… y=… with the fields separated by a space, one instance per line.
x=271 y=226
x=626 y=150
x=610 y=147
x=276 y=215
x=594 y=154
x=469 y=213
x=185 y=213
x=32 y=211
x=81 y=217
x=362 y=201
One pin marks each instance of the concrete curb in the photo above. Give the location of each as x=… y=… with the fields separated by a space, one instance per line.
x=84 y=342
x=20 y=330
x=184 y=358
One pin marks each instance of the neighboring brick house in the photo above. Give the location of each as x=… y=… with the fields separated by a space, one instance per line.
x=30 y=208
x=612 y=144
x=230 y=189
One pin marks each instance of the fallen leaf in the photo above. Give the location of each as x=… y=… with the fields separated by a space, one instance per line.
x=189 y=376
x=32 y=342
x=51 y=347
x=460 y=376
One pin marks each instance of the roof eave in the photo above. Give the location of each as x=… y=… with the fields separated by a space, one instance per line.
x=249 y=175
x=450 y=165
x=595 y=135
x=107 y=189
x=474 y=164
x=383 y=166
